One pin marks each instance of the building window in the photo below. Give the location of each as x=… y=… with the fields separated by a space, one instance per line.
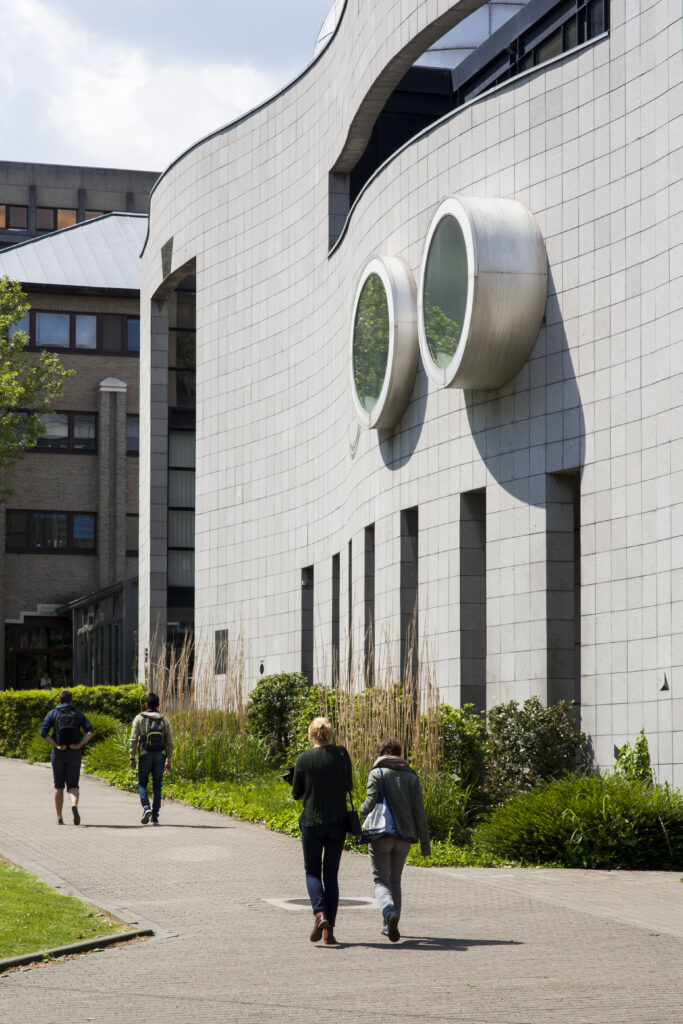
x=68 y=432
x=13 y=218
x=132 y=534
x=132 y=435
x=50 y=532
x=409 y=596
x=91 y=214
x=369 y=605
x=49 y=218
x=307 y=623
x=106 y=333
x=473 y=599
x=335 y=618
x=220 y=651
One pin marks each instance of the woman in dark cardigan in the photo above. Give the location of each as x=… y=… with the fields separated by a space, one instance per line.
x=322 y=778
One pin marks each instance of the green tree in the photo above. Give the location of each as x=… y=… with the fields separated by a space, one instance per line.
x=27 y=384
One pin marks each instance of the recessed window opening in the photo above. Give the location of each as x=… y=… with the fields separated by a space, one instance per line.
x=349 y=665
x=307 y=623
x=473 y=599
x=335 y=619
x=220 y=651
x=409 y=597
x=369 y=606
x=103 y=333
x=563 y=586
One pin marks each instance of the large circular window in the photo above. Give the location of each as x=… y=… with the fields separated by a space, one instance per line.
x=370 y=341
x=446 y=288
x=384 y=345
x=482 y=292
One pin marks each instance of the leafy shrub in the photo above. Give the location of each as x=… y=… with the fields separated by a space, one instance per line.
x=462 y=732
x=22 y=711
x=272 y=711
x=633 y=762
x=111 y=755
x=528 y=744
x=589 y=821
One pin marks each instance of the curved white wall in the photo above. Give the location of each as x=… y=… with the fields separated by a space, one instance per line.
x=285 y=475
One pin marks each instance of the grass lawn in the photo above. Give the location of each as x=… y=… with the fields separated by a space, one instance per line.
x=33 y=916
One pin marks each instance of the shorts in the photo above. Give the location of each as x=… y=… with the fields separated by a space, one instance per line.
x=66 y=768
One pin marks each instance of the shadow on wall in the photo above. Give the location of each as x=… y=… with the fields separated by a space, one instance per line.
x=398 y=444
x=535 y=425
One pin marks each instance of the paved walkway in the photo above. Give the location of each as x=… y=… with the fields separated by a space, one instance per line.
x=480 y=946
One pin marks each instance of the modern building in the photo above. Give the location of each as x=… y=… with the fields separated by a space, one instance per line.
x=69 y=530
x=36 y=199
x=430 y=299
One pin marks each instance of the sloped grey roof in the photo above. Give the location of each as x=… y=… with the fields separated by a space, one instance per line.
x=99 y=253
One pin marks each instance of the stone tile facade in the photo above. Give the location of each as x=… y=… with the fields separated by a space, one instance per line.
x=592 y=143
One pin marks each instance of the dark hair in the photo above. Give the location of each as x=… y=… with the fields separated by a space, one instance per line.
x=389 y=747
x=65 y=697
x=151 y=700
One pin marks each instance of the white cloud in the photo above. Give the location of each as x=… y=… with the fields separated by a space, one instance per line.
x=72 y=97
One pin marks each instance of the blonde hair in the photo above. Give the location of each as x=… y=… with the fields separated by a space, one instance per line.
x=320 y=731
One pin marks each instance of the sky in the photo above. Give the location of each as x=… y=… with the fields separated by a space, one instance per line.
x=132 y=83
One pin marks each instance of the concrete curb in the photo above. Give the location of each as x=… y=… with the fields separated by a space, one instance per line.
x=76 y=947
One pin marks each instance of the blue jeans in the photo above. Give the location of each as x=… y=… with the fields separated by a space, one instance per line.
x=154 y=764
x=387 y=857
x=323 y=845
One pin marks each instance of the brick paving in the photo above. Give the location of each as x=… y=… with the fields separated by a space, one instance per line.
x=479 y=946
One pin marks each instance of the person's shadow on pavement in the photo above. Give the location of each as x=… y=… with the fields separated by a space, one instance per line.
x=434 y=943
x=147 y=829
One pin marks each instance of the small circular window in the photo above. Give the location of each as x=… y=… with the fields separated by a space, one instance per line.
x=384 y=343
x=482 y=292
x=371 y=341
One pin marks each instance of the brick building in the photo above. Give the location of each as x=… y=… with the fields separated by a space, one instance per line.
x=69 y=528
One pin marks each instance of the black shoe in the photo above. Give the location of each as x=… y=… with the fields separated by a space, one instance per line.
x=60 y=821
x=77 y=817
x=146 y=815
x=393 y=933
x=155 y=821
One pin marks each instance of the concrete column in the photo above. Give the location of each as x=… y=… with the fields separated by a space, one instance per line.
x=153 y=503
x=111 y=516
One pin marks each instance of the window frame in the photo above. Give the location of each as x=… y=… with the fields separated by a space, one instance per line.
x=69 y=449
x=72 y=347
x=31 y=549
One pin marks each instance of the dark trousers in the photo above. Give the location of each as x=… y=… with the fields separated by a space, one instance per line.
x=323 y=845
x=154 y=764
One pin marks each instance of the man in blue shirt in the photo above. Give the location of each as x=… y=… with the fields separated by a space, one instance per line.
x=67 y=730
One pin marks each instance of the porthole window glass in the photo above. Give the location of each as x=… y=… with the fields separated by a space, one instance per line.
x=445 y=291
x=371 y=341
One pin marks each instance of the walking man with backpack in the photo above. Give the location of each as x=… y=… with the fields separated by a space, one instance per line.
x=67 y=730
x=152 y=740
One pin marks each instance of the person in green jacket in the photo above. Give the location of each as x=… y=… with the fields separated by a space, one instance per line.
x=388 y=855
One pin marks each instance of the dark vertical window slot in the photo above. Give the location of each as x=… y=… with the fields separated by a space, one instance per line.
x=473 y=599
x=335 y=619
x=409 y=610
x=369 y=606
x=349 y=666
x=307 y=623
x=563 y=587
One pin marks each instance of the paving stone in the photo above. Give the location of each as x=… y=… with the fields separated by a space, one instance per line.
x=478 y=946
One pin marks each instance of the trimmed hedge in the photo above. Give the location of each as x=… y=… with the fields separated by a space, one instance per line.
x=22 y=711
